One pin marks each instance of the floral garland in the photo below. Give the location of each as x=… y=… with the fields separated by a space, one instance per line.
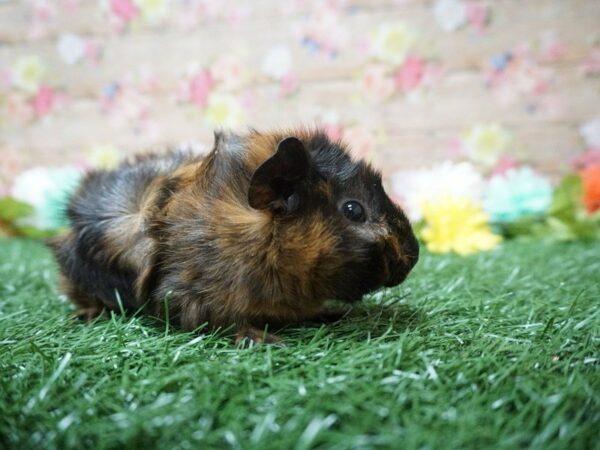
x=457 y=206
x=471 y=205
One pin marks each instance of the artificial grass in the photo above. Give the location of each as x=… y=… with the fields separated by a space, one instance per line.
x=497 y=350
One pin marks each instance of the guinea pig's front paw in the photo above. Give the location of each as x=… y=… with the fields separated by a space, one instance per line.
x=248 y=335
x=329 y=315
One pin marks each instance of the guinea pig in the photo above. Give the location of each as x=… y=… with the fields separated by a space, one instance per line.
x=263 y=229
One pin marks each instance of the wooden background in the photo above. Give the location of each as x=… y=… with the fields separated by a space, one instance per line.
x=151 y=62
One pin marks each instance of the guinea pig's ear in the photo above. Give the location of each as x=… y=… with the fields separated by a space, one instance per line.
x=278 y=177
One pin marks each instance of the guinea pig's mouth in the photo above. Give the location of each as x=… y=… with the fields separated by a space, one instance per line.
x=397 y=269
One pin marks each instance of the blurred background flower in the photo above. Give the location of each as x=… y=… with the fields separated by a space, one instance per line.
x=104 y=156
x=484 y=144
x=27 y=73
x=391 y=42
x=591 y=187
x=456 y=224
x=414 y=188
x=517 y=193
x=47 y=191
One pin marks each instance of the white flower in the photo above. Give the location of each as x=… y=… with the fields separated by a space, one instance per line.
x=47 y=190
x=450 y=14
x=104 y=156
x=277 y=62
x=417 y=187
x=27 y=73
x=224 y=111
x=484 y=144
x=391 y=42
x=152 y=10
x=71 y=48
x=590 y=132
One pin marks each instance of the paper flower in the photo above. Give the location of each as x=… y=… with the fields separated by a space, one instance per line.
x=324 y=32
x=27 y=73
x=391 y=42
x=200 y=86
x=517 y=193
x=590 y=132
x=224 y=111
x=288 y=84
x=103 y=156
x=450 y=14
x=485 y=144
x=277 y=62
x=71 y=48
x=591 y=187
x=478 y=16
x=456 y=224
x=410 y=74
x=43 y=101
x=152 y=10
x=588 y=158
x=375 y=83
x=47 y=190
x=124 y=9
x=414 y=187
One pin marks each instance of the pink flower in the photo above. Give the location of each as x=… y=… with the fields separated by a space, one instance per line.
x=376 y=83
x=92 y=52
x=504 y=164
x=200 y=86
x=410 y=74
x=589 y=158
x=455 y=148
x=125 y=9
x=551 y=47
x=288 y=84
x=477 y=15
x=591 y=65
x=43 y=101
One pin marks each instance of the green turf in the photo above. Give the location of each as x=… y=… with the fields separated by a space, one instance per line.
x=497 y=350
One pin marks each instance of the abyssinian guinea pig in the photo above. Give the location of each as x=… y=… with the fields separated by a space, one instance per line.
x=264 y=229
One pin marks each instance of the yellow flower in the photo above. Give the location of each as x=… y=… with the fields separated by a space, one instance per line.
x=224 y=111
x=152 y=10
x=456 y=224
x=391 y=42
x=27 y=73
x=103 y=156
x=484 y=144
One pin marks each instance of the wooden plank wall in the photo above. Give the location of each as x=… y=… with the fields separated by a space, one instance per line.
x=151 y=62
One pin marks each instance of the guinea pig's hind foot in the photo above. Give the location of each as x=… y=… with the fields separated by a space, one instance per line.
x=248 y=335
x=89 y=313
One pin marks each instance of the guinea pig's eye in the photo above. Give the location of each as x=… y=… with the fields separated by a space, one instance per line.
x=353 y=211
